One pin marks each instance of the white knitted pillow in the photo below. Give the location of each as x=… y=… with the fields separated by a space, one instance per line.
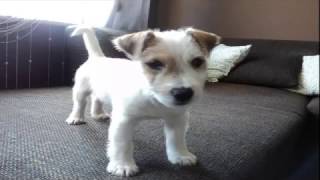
x=309 y=76
x=223 y=58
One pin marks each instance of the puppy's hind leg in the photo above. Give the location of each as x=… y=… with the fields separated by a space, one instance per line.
x=97 y=111
x=79 y=96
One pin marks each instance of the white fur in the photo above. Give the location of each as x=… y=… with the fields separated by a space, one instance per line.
x=123 y=84
x=90 y=40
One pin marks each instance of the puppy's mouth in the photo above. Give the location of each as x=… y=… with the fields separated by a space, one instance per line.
x=182 y=103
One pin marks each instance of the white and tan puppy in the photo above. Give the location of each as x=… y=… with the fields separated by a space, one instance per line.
x=166 y=74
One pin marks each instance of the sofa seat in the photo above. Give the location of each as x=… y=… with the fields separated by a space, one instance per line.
x=237 y=132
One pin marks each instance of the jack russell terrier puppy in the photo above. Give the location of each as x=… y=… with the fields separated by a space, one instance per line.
x=167 y=72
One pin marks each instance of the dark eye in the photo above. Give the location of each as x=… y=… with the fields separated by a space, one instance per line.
x=155 y=64
x=197 y=62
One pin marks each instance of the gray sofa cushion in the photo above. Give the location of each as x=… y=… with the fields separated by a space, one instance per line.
x=237 y=132
x=273 y=63
x=272 y=71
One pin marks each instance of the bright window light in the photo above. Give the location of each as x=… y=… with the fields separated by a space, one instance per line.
x=91 y=12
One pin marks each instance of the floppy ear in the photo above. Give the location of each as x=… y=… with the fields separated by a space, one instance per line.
x=135 y=43
x=205 y=40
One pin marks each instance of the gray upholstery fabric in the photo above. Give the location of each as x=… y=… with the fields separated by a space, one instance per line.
x=313 y=106
x=272 y=63
x=279 y=72
x=237 y=132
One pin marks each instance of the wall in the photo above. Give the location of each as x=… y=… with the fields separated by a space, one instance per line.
x=271 y=19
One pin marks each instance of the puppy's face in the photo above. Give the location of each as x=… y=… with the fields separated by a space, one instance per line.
x=174 y=62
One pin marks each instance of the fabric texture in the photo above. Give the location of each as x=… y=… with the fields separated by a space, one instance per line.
x=223 y=58
x=237 y=131
x=313 y=106
x=309 y=76
x=272 y=71
x=129 y=15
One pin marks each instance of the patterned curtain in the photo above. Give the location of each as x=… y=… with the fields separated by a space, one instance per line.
x=31 y=53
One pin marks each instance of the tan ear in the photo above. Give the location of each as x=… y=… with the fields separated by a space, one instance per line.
x=205 y=40
x=135 y=43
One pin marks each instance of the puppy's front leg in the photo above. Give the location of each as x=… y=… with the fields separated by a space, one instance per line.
x=120 y=147
x=177 y=151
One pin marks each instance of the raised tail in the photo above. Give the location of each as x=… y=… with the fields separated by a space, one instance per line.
x=90 y=41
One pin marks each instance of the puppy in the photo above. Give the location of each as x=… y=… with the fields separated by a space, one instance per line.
x=166 y=74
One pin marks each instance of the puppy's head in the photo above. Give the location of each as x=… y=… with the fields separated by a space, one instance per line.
x=174 y=62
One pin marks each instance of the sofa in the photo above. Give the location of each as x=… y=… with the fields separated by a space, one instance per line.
x=238 y=131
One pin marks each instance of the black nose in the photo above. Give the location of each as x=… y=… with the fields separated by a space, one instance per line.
x=181 y=95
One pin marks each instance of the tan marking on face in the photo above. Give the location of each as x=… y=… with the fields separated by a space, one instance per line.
x=205 y=40
x=201 y=67
x=136 y=43
x=170 y=68
x=127 y=43
x=149 y=41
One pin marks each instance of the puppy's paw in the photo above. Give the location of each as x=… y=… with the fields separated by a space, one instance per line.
x=122 y=169
x=187 y=159
x=75 y=121
x=101 y=116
